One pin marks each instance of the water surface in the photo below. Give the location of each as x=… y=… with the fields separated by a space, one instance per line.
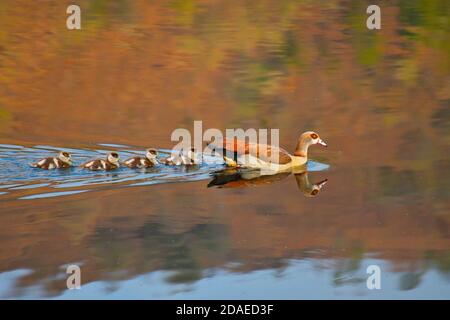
x=137 y=70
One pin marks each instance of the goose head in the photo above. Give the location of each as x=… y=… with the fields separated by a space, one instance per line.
x=65 y=157
x=316 y=188
x=151 y=154
x=306 y=187
x=113 y=157
x=307 y=139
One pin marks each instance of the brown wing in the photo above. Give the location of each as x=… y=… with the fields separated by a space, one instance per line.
x=93 y=164
x=261 y=151
x=110 y=166
x=148 y=163
x=61 y=164
x=132 y=162
x=43 y=164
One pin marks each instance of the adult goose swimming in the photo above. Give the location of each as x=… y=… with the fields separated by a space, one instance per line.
x=238 y=153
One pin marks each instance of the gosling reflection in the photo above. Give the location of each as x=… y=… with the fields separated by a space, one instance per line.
x=238 y=178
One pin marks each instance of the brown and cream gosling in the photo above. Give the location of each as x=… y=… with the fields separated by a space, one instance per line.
x=111 y=163
x=188 y=159
x=62 y=160
x=143 y=162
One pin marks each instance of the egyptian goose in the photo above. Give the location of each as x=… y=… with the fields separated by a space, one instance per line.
x=271 y=158
x=111 y=163
x=62 y=160
x=143 y=162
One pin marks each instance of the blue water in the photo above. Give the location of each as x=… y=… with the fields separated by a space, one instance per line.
x=222 y=283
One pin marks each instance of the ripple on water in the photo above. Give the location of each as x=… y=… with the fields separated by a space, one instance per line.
x=31 y=186
x=10 y=146
x=52 y=194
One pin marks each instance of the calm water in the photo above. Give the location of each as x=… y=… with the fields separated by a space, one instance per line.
x=138 y=69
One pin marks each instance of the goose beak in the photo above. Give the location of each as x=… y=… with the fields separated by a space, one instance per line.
x=322 y=142
x=322 y=183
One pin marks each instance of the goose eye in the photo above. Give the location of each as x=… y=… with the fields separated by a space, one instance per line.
x=65 y=154
x=314 y=136
x=314 y=192
x=115 y=155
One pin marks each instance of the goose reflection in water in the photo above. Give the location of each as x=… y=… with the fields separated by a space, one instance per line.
x=238 y=178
